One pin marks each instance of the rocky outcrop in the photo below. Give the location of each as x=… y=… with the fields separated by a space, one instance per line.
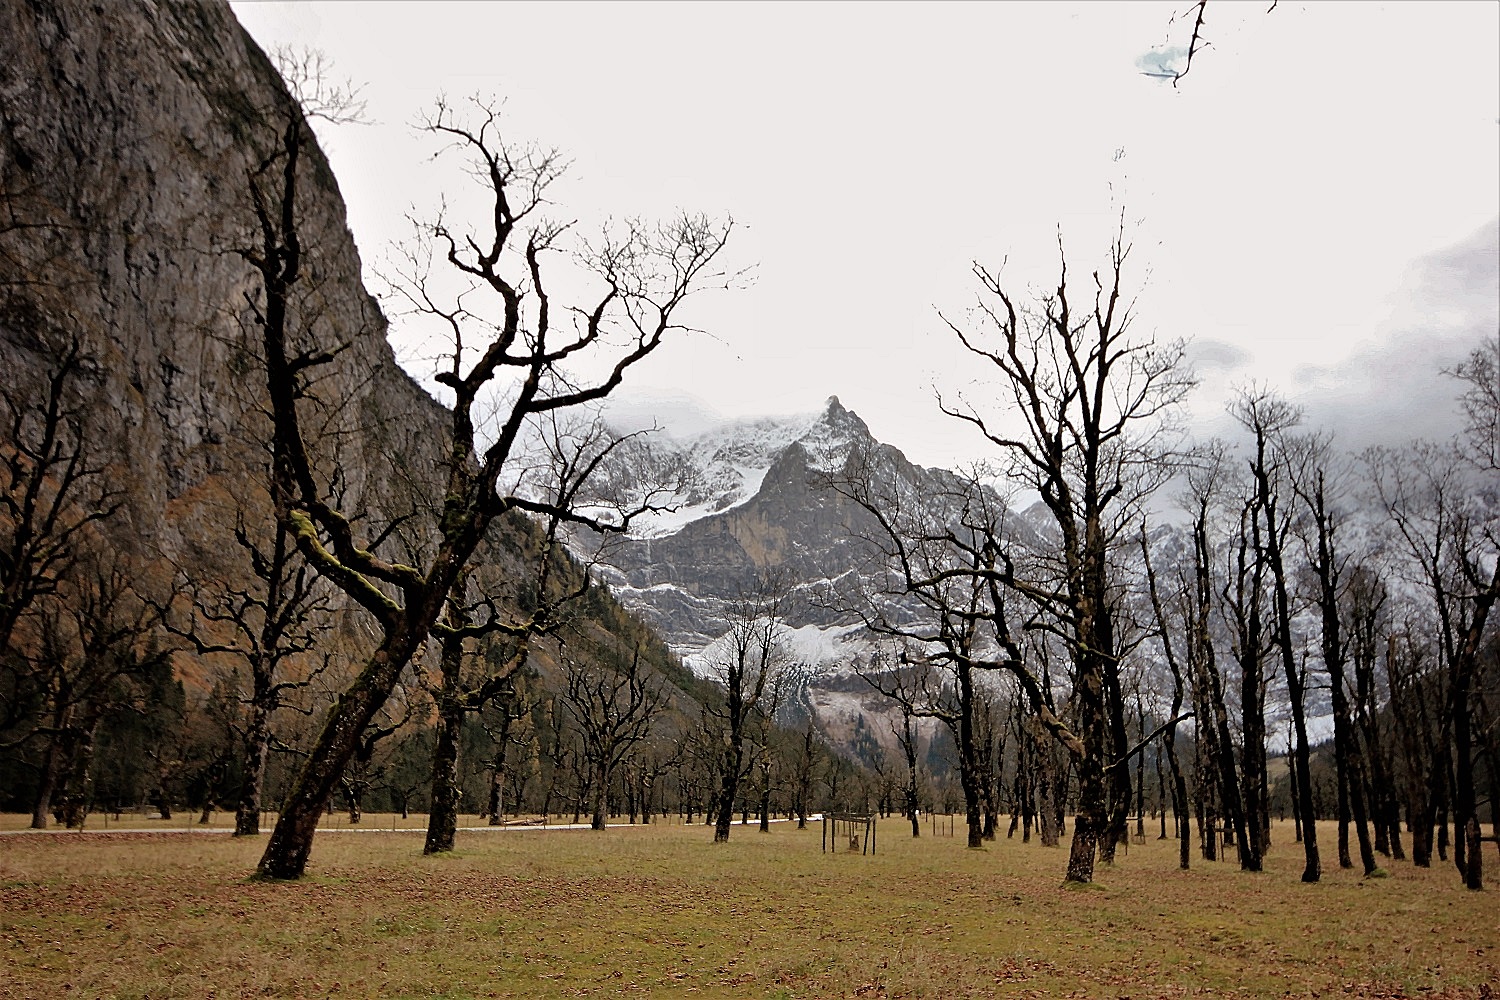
x=127 y=133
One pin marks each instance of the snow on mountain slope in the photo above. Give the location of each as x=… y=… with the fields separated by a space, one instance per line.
x=715 y=469
x=810 y=646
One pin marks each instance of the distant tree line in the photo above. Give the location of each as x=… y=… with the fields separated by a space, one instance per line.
x=1201 y=604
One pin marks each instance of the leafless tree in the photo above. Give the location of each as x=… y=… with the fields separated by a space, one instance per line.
x=508 y=723
x=745 y=662
x=54 y=490
x=809 y=752
x=908 y=740
x=96 y=641
x=1317 y=482
x=641 y=275
x=1442 y=502
x=1083 y=417
x=263 y=627
x=1180 y=810
x=614 y=710
x=1263 y=614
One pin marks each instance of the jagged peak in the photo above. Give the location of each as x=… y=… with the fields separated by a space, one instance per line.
x=836 y=414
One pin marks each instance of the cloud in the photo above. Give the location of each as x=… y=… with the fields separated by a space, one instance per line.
x=1216 y=355
x=1393 y=388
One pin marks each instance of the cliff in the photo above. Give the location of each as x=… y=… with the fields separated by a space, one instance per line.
x=128 y=134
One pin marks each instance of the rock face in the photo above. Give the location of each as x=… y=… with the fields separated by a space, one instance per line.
x=127 y=133
x=751 y=499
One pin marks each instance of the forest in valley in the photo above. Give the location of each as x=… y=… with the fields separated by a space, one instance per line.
x=1110 y=629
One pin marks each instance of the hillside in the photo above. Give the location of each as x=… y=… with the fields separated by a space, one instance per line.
x=127 y=134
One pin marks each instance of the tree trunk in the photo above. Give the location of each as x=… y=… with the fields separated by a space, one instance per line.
x=257 y=751
x=600 y=796
x=765 y=797
x=79 y=781
x=723 y=811
x=46 y=786
x=1090 y=822
x=1342 y=776
x=496 y=803
x=291 y=839
x=1046 y=801
x=354 y=793
x=442 y=822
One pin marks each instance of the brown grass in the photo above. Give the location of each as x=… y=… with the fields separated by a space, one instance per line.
x=661 y=910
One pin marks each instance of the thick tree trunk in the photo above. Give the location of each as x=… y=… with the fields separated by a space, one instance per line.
x=1090 y=823
x=442 y=821
x=257 y=751
x=1346 y=860
x=291 y=839
x=600 y=796
x=496 y=804
x=46 y=786
x=79 y=781
x=1046 y=803
x=723 y=811
x=1474 y=855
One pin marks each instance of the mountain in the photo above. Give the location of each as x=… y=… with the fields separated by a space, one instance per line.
x=128 y=133
x=753 y=497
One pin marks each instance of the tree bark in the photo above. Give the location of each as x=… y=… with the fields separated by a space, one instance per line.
x=252 y=781
x=291 y=839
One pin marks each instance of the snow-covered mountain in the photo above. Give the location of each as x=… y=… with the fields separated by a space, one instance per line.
x=749 y=497
x=745 y=498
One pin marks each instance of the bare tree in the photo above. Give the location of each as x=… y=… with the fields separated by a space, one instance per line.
x=809 y=748
x=364 y=769
x=510 y=711
x=908 y=740
x=778 y=689
x=942 y=603
x=1266 y=526
x=97 y=640
x=263 y=626
x=1316 y=482
x=1180 y=809
x=1086 y=424
x=745 y=663
x=1442 y=502
x=614 y=710
x=53 y=489
x=642 y=275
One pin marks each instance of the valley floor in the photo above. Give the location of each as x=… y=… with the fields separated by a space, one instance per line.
x=660 y=910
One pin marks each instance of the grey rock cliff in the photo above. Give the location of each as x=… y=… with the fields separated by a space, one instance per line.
x=127 y=133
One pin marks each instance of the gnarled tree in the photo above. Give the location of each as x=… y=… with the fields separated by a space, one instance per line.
x=1081 y=416
x=528 y=357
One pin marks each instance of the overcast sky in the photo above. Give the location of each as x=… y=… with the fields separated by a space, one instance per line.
x=1316 y=205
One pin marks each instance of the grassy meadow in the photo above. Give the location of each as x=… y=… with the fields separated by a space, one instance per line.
x=661 y=911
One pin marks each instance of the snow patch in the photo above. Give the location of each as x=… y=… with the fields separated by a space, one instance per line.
x=823 y=648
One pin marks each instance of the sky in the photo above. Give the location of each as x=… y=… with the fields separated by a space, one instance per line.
x=1315 y=206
